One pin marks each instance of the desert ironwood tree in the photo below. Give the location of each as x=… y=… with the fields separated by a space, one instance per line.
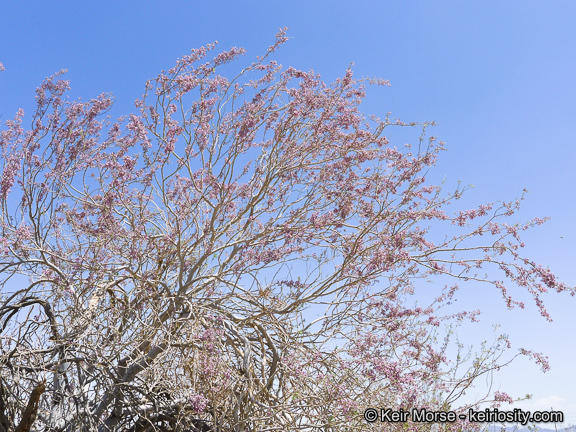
x=237 y=255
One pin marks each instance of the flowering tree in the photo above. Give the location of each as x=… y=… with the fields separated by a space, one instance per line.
x=165 y=272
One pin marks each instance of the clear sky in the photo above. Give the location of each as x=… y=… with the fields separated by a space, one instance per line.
x=497 y=76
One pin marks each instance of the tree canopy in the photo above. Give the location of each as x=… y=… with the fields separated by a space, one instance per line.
x=236 y=255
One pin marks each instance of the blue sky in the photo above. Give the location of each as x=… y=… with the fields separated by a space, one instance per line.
x=497 y=77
